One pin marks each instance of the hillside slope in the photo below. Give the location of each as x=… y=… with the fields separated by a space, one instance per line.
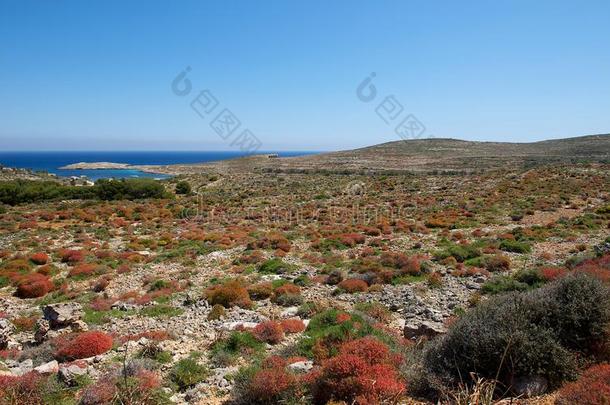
x=425 y=155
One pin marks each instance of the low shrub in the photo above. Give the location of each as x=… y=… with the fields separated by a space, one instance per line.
x=27 y=389
x=86 y=270
x=217 y=312
x=540 y=332
x=592 y=388
x=225 y=352
x=515 y=246
x=39 y=258
x=71 y=256
x=353 y=285
x=83 y=345
x=34 y=285
x=269 y=386
x=269 y=332
x=183 y=187
x=364 y=372
x=292 y=325
x=187 y=373
x=231 y=293
x=260 y=291
x=275 y=266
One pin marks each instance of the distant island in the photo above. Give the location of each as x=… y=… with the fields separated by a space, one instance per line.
x=97 y=166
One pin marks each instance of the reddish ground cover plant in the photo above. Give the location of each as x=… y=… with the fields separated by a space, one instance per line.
x=39 y=258
x=155 y=335
x=353 y=285
x=87 y=270
x=269 y=332
x=273 y=240
x=271 y=383
x=364 y=372
x=552 y=273
x=71 y=256
x=34 y=285
x=598 y=268
x=27 y=389
x=292 y=325
x=83 y=345
x=592 y=388
x=229 y=294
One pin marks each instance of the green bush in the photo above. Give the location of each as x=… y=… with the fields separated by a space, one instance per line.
x=514 y=246
x=461 y=253
x=275 y=266
x=541 y=332
x=183 y=187
x=28 y=191
x=187 y=373
x=226 y=352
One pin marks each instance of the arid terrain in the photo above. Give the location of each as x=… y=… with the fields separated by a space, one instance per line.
x=409 y=272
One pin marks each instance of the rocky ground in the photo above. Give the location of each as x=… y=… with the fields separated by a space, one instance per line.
x=143 y=271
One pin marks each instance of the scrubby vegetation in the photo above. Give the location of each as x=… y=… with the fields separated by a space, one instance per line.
x=30 y=191
x=289 y=288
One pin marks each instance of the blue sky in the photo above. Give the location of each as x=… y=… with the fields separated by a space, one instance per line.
x=97 y=74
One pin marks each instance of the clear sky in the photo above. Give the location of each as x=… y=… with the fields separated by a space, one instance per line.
x=86 y=75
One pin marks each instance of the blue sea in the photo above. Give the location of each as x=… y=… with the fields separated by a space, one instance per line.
x=51 y=161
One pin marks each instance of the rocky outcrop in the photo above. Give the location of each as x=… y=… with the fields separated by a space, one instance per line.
x=62 y=314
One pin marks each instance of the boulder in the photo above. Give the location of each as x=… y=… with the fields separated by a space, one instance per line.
x=69 y=372
x=62 y=314
x=301 y=367
x=51 y=367
x=414 y=329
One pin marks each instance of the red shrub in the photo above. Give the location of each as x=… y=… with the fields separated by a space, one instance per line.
x=269 y=385
x=39 y=258
x=552 y=273
x=71 y=256
x=229 y=294
x=269 y=332
x=102 y=304
x=86 y=344
x=123 y=268
x=364 y=372
x=293 y=325
x=156 y=335
x=103 y=391
x=353 y=285
x=369 y=349
x=274 y=362
x=24 y=390
x=287 y=289
x=86 y=270
x=33 y=286
x=593 y=388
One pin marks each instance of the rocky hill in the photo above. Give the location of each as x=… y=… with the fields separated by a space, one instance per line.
x=426 y=155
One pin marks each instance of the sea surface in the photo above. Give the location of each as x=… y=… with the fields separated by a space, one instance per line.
x=51 y=161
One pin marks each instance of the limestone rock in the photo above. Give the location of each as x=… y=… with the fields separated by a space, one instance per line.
x=6 y=330
x=414 y=330
x=62 y=314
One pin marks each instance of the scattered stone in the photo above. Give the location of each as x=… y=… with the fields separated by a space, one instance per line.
x=414 y=330
x=6 y=330
x=79 y=326
x=301 y=367
x=51 y=367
